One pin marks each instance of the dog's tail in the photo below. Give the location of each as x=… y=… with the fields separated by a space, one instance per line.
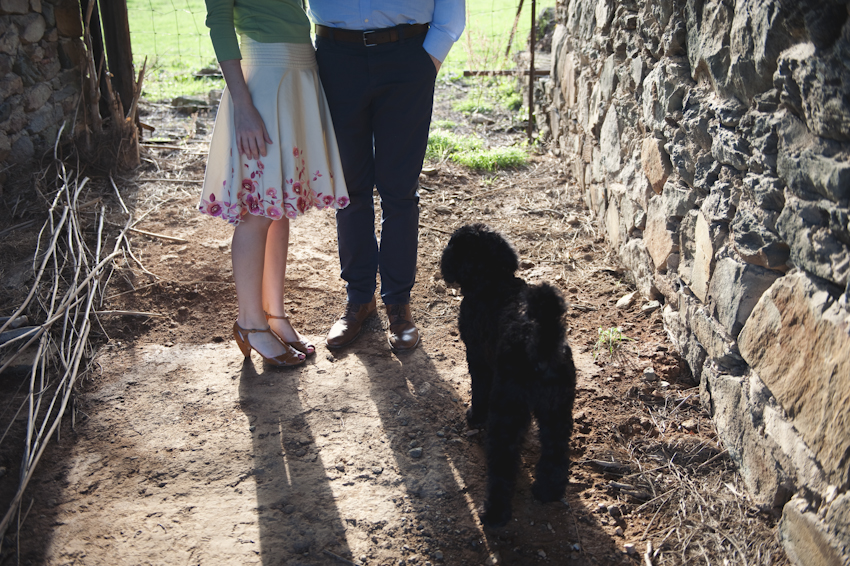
x=544 y=309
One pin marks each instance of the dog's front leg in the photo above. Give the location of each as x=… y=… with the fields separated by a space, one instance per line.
x=481 y=375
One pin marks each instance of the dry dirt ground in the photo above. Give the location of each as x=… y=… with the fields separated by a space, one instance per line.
x=181 y=453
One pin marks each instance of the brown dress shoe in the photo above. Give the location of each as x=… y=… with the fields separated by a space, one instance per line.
x=346 y=329
x=402 y=333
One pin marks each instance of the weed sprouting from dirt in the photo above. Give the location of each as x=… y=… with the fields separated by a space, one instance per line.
x=610 y=339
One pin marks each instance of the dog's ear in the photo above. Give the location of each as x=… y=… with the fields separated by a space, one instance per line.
x=505 y=260
x=459 y=258
x=448 y=264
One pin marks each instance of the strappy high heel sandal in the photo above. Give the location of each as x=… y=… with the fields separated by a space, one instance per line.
x=301 y=345
x=288 y=359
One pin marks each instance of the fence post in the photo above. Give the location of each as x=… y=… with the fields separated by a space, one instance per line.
x=116 y=31
x=531 y=70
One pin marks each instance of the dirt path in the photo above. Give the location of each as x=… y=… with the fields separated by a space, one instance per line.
x=182 y=454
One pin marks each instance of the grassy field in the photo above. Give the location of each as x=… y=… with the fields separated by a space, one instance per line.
x=173 y=37
x=488 y=28
x=172 y=34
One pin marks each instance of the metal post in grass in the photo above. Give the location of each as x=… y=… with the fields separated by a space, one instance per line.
x=531 y=71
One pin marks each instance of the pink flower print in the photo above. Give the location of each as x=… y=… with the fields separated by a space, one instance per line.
x=342 y=202
x=311 y=198
x=249 y=185
x=260 y=165
x=295 y=152
x=296 y=188
x=253 y=204
x=210 y=207
x=302 y=204
x=271 y=192
x=316 y=175
x=274 y=212
x=328 y=200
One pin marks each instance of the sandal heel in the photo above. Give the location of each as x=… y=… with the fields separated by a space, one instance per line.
x=291 y=357
x=241 y=340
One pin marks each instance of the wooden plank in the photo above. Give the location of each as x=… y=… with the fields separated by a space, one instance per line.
x=116 y=27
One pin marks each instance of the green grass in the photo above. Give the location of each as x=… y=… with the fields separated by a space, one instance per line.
x=470 y=151
x=442 y=144
x=488 y=93
x=172 y=34
x=508 y=94
x=492 y=159
x=444 y=124
x=472 y=105
x=484 y=41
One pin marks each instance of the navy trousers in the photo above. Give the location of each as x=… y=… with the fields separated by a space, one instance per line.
x=380 y=99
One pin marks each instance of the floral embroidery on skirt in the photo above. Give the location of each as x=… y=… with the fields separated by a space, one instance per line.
x=302 y=169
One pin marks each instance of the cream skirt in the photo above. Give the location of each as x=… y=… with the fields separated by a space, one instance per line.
x=302 y=169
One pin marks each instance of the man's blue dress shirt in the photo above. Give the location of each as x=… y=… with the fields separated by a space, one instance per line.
x=447 y=18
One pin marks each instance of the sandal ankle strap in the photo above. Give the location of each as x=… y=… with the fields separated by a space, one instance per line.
x=284 y=316
x=253 y=330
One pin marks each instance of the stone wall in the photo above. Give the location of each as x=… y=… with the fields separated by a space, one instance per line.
x=40 y=54
x=711 y=139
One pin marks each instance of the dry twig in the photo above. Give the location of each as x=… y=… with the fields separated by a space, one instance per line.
x=77 y=272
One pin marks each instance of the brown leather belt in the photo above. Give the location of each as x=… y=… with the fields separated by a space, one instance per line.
x=370 y=38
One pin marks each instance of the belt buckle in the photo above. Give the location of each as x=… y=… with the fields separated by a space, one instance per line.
x=366 y=41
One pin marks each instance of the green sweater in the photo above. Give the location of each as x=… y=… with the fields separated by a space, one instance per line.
x=264 y=21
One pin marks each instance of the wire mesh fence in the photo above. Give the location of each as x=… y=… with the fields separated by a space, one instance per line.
x=181 y=62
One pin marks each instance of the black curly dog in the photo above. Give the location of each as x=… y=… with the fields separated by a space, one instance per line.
x=519 y=362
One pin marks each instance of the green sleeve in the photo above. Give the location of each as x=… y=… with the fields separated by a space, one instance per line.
x=222 y=31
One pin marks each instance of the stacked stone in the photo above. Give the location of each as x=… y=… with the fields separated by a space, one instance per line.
x=712 y=140
x=40 y=51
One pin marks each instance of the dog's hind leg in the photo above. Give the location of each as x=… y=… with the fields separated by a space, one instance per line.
x=553 y=468
x=506 y=427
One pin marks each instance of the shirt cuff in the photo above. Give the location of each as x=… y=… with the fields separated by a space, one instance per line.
x=438 y=43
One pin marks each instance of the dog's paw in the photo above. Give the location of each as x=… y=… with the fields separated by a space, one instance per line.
x=495 y=516
x=547 y=492
x=475 y=419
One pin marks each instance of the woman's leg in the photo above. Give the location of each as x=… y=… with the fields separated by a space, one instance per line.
x=274 y=279
x=248 y=251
